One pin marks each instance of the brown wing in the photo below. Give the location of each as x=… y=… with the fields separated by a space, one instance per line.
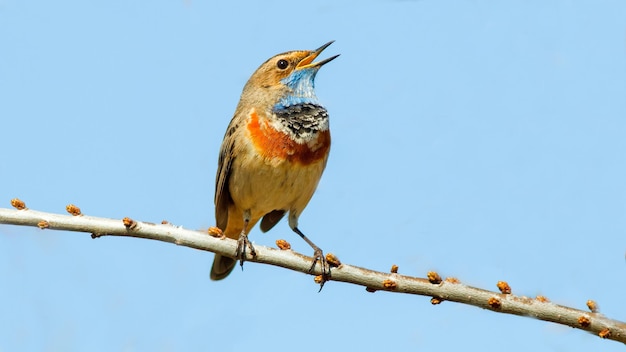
x=222 y=192
x=270 y=219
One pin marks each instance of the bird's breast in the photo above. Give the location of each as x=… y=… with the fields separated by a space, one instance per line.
x=276 y=145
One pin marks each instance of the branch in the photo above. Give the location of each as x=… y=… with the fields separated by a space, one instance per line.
x=433 y=286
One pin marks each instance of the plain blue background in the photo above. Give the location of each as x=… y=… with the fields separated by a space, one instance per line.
x=481 y=139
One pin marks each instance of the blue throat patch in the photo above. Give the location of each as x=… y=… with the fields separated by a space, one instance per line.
x=301 y=84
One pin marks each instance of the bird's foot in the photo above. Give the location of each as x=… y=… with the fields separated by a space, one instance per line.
x=242 y=243
x=318 y=256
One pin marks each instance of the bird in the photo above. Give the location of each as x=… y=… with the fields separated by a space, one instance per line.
x=274 y=152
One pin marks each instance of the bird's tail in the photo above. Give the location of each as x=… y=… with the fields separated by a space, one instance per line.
x=222 y=266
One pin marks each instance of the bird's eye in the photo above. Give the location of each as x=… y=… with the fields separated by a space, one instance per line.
x=282 y=64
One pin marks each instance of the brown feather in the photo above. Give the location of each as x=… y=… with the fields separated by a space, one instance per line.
x=222 y=193
x=270 y=219
x=222 y=266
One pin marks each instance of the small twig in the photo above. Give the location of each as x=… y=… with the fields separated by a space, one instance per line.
x=440 y=290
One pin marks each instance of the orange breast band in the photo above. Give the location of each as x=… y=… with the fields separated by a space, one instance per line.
x=271 y=143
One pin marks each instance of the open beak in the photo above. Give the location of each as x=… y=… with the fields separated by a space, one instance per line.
x=307 y=62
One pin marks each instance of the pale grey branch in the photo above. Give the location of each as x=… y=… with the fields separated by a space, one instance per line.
x=446 y=290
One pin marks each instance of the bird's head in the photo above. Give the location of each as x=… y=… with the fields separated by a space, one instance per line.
x=286 y=79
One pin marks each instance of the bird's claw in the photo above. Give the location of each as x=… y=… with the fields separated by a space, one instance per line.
x=240 y=252
x=318 y=256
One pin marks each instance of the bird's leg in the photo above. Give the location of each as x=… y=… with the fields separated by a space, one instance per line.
x=318 y=255
x=243 y=242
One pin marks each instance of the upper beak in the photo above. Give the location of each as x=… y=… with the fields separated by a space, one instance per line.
x=307 y=62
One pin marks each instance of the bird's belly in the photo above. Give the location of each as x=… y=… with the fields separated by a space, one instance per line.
x=263 y=185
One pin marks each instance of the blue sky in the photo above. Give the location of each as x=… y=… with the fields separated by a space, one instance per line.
x=481 y=139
